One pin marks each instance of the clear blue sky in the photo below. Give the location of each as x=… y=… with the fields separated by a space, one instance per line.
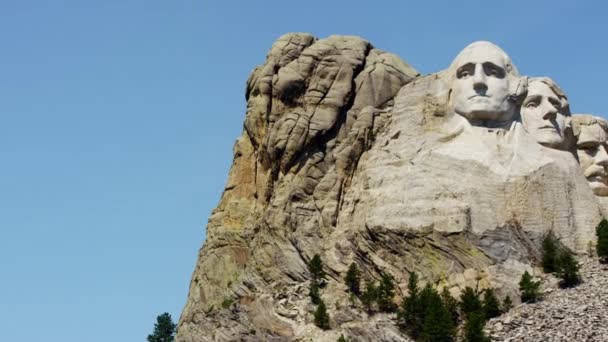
x=117 y=120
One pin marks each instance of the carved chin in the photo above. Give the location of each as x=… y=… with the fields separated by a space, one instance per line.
x=549 y=139
x=485 y=113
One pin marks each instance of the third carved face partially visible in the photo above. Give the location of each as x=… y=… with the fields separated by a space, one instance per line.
x=482 y=81
x=592 y=134
x=545 y=113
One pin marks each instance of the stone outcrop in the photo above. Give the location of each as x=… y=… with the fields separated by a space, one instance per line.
x=347 y=152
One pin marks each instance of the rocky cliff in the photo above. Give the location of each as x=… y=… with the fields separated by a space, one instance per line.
x=349 y=153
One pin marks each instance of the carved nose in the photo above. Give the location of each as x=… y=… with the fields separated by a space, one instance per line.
x=479 y=80
x=601 y=157
x=550 y=112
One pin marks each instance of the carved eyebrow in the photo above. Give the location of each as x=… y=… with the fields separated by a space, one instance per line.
x=467 y=67
x=488 y=66
x=555 y=101
x=531 y=98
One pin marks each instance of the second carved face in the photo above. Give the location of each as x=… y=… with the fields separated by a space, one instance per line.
x=545 y=113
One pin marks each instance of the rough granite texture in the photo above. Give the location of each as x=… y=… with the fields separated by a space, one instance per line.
x=349 y=153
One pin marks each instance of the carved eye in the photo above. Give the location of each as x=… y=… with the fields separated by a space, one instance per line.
x=556 y=104
x=531 y=104
x=463 y=74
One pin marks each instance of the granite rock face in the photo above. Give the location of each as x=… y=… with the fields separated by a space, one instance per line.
x=349 y=153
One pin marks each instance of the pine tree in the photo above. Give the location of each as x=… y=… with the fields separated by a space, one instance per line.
x=313 y=292
x=473 y=329
x=507 y=304
x=470 y=302
x=386 y=294
x=491 y=306
x=451 y=304
x=321 y=316
x=438 y=325
x=315 y=267
x=370 y=296
x=549 y=251
x=164 y=329
x=568 y=268
x=353 y=279
x=529 y=289
x=410 y=313
x=602 y=241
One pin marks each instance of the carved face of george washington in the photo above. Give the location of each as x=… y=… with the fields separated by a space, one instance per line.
x=482 y=81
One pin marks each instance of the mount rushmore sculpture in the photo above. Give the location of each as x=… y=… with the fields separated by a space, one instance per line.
x=349 y=153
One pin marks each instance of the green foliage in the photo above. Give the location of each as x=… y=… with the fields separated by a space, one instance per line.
x=426 y=315
x=313 y=292
x=410 y=314
x=560 y=260
x=550 y=253
x=602 y=240
x=491 y=306
x=227 y=302
x=353 y=279
x=473 y=329
x=529 y=289
x=386 y=294
x=451 y=304
x=370 y=296
x=438 y=325
x=164 y=329
x=315 y=267
x=343 y=339
x=507 y=304
x=568 y=268
x=470 y=302
x=321 y=316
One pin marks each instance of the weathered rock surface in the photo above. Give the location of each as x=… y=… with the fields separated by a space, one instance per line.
x=349 y=153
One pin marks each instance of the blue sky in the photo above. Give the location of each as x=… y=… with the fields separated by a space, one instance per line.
x=117 y=120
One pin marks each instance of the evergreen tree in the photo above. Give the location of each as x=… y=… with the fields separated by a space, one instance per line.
x=164 y=329
x=602 y=241
x=451 y=304
x=343 y=339
x=313 y=292
x=353 y=279
x=473 y=329
x=507 y=304
x=491 y=306
x=568 y=268
x=550 y=251
x=529 y=289
x=470 y=302
x=386 y=293
x=321 y=316
x=370 y=296
x=438 y=325
x=315 y=267
x=410 y=313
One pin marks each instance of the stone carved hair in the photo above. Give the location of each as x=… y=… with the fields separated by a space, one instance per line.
x=557 y=90
x=580 y=120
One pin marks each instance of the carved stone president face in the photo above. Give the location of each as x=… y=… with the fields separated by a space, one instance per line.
x=592 y=134
x=545 y=113
x=482 y=80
